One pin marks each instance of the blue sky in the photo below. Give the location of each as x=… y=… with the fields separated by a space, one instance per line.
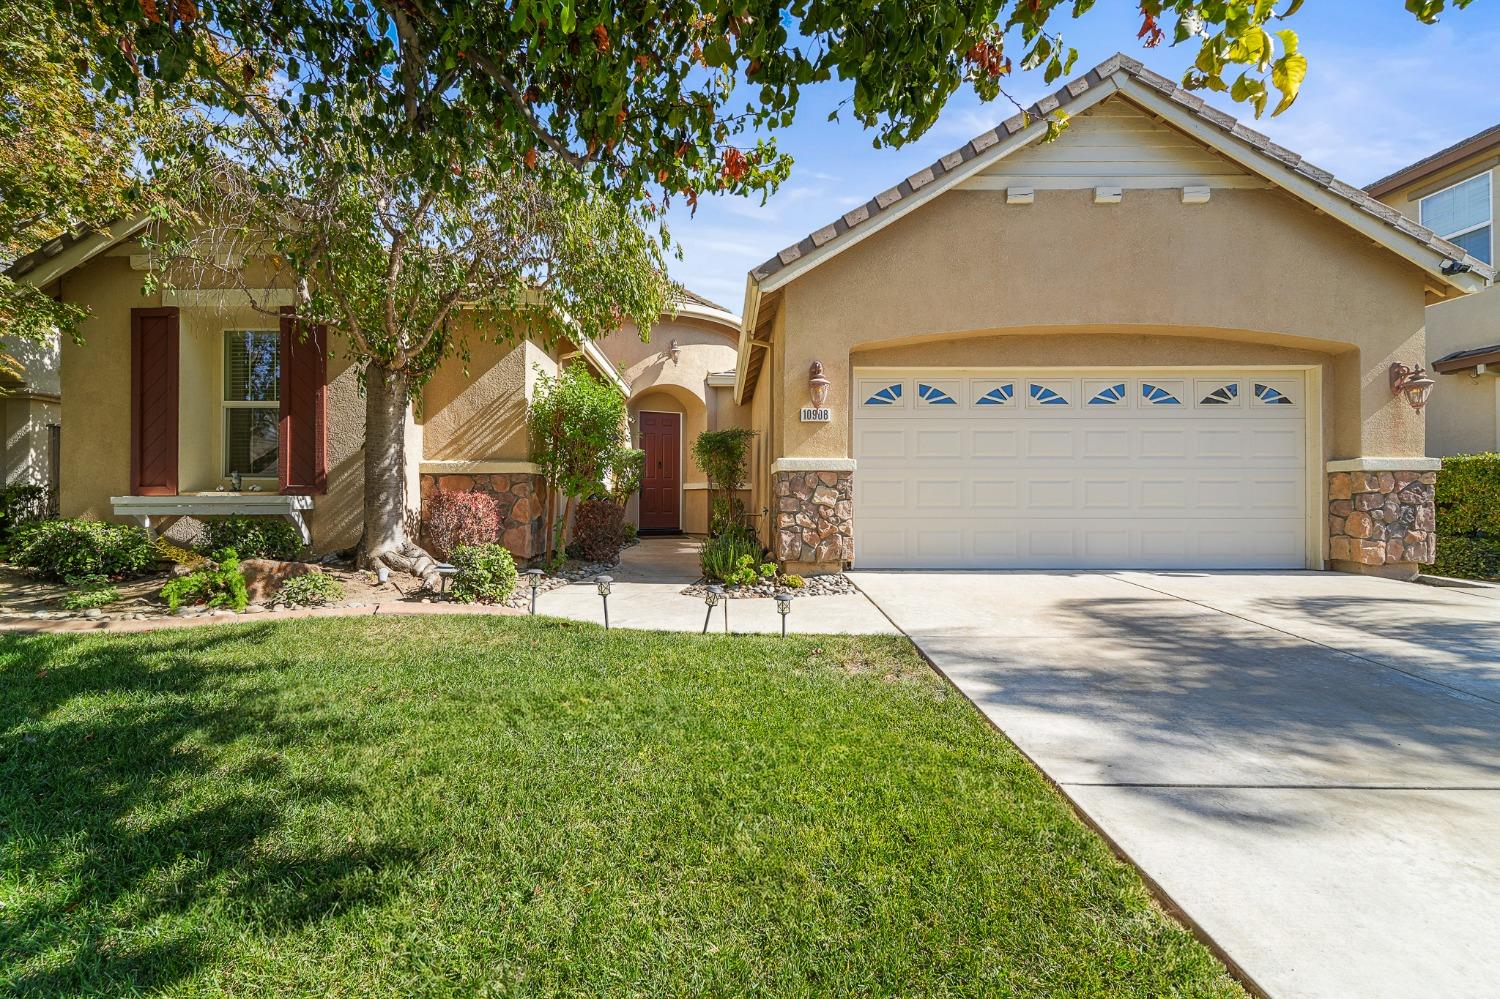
x=1383 y=90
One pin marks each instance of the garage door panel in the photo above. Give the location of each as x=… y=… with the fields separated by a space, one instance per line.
x=1012 y=471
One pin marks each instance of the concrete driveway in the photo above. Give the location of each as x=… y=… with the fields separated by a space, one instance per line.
x=1307 y=764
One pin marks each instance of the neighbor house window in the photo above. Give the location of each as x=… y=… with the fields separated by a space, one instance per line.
x=1462 y=214
x=252 y=406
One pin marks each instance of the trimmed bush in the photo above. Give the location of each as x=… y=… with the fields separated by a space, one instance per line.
x=255 y=537
x=311 y=589
x=1468 y=517
x=452 y=520
x=58 y=549
x=485 y=573
x=220 y=585
x=1467 y=557
x=598 y=531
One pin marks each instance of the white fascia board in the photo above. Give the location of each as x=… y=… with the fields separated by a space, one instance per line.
x=950 y=179
x=1283 y=176
x=692 y=310
x=747 y=327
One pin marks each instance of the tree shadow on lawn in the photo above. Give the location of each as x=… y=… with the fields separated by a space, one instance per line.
x=141 y=791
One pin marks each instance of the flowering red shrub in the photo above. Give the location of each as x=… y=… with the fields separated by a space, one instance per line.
x=453 y=519
x=598 y=531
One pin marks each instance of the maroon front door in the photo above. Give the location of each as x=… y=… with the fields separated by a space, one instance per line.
x=661 y=488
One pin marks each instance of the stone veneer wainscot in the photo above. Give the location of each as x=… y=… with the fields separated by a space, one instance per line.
x=1382 y=518
x=516 y=494
x=815 y=519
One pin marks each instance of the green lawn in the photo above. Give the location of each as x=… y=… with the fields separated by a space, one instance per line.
x=499 y=806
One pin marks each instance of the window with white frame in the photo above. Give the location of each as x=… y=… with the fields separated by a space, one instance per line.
x=252 y=401
x=1463 y=214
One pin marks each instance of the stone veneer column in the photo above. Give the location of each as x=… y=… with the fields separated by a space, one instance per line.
x=814 y=510
x=517 y=495
x=1381 y=519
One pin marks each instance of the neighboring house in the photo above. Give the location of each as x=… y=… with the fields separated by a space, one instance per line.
x=31 y=408
x=1160 y=341
x=681 y=384
x=189 y=404
x=1454 y=192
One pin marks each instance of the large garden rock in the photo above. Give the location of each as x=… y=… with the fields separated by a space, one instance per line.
x=264 y=576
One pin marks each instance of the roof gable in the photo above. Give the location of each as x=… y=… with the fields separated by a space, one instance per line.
x=1156 y=97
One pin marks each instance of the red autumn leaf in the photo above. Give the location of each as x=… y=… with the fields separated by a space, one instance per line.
x=601 y=38
x=733 y=163
x=187 y=11
x=148 y=7
x=1150 y=33
x=531 y=158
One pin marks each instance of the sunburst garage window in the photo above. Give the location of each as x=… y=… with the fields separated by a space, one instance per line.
x=252 y=406
x=1463 y=214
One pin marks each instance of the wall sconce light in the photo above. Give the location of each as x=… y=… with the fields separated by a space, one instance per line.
x=817 y=384
x=1411 y=383
x=674 y=349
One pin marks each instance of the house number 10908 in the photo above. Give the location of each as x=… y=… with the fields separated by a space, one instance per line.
x=816 y=414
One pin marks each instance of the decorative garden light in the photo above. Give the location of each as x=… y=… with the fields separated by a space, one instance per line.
x=603 y=583
x=534 y=579
x=783 y=607
x=711 y=597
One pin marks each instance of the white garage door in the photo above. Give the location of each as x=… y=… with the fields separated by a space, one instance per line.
x=1079 y=469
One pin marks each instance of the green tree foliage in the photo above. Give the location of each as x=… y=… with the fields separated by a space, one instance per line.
x=67 y=155
x=664 y=96
x=579 y=429
x=1468 y=517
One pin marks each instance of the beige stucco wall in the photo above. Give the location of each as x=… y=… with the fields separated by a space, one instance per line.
x=1252 y=277
x=1463 y=414
x=1464 y=410
x=96 y=377
x=26 y=419
x=658 y=383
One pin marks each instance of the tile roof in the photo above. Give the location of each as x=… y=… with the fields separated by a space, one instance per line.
x=693 y=298
x=1119 y=63
x=1475 y=143
x=1462 y=360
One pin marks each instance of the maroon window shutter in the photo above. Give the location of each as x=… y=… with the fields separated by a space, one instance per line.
x=303 y=463
x=153 y=402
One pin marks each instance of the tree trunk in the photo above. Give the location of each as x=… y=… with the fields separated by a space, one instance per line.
x=385 y=540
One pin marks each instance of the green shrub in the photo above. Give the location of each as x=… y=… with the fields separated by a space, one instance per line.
x=1467 y=498
x=311 y=589
x=726 y=557
x=20 y=504
x=631 y=531
x=485 y=573
x=723 y=454
x=220 y=585
x=794 y=581
x=59 y=549
x=1468 y=495
x=1470 y=557
x=89 y=592
x=255 y=537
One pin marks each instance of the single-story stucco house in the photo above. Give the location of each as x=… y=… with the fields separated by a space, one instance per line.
x=1160 y=341
x=1454 y=192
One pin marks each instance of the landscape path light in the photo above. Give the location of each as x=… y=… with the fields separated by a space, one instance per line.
x=534 y=579
x=602 y=582
x=783 y=607
x=711 y=598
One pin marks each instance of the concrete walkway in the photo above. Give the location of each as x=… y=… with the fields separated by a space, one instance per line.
x=647 y=593
x=1307 y=764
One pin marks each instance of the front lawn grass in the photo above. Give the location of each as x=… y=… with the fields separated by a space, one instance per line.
x=500 y=806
